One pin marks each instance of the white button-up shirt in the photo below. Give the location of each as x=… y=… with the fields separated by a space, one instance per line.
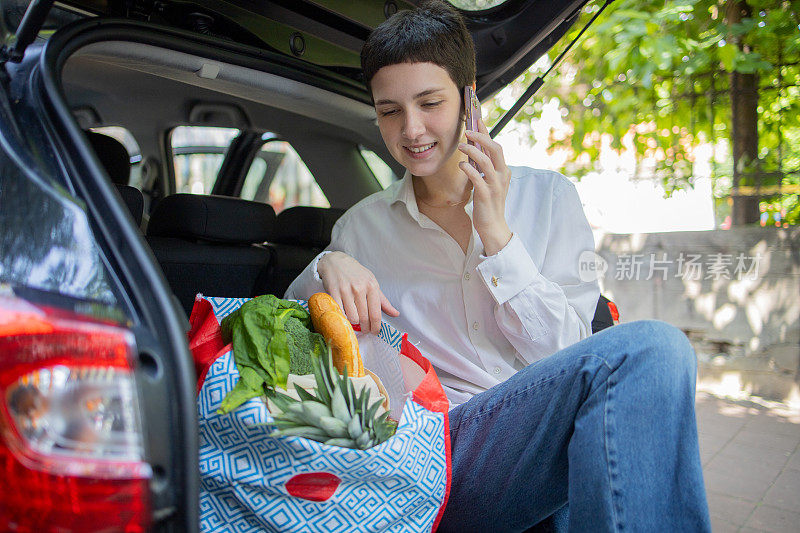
x=478 y=319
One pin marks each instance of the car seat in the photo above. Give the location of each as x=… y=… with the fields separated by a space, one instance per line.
x=115 y=159
x=212 y=245
x=301 y=233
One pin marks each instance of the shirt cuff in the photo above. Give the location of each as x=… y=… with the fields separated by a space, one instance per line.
x=316 y=262
x=509 y=271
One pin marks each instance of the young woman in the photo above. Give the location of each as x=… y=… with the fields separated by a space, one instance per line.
x=481 y=268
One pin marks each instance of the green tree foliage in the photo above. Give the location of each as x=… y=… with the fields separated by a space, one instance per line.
x=655 y=75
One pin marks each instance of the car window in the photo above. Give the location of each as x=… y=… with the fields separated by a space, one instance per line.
x=279 y=177
x=49 y=244
x=383 y=172
x=197 y=155
x=126 y=138
x=476 y=5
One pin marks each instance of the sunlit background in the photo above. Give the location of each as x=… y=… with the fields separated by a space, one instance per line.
x=641 y=114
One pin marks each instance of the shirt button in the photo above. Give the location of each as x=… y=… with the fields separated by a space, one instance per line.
x=497 y=370
x=466 y=276
x=475 y=326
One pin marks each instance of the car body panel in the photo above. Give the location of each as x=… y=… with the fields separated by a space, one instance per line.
x=68 y=242
x=508 y=38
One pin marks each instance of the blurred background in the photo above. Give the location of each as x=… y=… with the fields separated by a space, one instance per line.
x=678 y=121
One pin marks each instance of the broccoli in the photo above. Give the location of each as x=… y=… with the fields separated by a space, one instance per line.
x=304 y=346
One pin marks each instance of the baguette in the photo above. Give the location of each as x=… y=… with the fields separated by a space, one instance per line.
x=321 y=302
x=332 y=324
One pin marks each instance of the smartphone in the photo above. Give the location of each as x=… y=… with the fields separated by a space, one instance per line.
x=472 y=110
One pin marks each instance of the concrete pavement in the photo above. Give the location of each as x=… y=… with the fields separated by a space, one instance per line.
x=750 y=450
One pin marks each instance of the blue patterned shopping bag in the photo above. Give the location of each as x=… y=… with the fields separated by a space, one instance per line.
x=253 y=482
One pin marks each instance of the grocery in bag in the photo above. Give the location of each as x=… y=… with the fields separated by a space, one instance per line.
x=253 y=480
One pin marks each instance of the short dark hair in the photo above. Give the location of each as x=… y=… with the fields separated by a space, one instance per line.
x=434 y=32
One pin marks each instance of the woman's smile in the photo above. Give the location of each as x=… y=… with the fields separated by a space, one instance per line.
x=421 y=151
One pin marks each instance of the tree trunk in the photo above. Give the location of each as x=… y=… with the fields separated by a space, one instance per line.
x=744 y=116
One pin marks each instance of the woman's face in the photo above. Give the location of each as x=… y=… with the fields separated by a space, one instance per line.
x=419 y=115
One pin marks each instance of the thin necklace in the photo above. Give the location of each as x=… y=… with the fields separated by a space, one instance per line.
x=447 y=204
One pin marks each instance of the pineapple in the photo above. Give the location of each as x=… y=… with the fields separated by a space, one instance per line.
x=336 y=415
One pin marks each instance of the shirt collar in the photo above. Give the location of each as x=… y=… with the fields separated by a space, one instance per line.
x=405 y=194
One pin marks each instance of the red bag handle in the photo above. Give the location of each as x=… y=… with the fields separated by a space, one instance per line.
x=429 y=393
x=205 y=338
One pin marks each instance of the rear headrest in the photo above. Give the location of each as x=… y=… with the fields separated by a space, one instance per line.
x=306 y=226
x=113 y=155
x=134 y=200
x=212 y=218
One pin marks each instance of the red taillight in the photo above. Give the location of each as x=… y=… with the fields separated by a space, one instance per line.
x=71 y=452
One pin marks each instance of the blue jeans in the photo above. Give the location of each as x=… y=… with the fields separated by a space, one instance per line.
x=607 y=425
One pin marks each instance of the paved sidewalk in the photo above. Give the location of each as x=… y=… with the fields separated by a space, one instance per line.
x=751 y=462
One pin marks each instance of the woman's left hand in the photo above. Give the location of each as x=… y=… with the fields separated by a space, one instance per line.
x=490 y=189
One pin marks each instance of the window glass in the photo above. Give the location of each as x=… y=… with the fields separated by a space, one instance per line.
x=197 y=154
x=280 y=178
x=383 y=172
x=476 y=5
x=126 y=138
x=48 y=245
x=12 y=13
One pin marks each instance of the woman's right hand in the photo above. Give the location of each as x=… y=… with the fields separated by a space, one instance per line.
x=355 y=289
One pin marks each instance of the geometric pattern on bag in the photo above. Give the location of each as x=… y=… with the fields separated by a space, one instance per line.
x=397 y=486
x=224 y=306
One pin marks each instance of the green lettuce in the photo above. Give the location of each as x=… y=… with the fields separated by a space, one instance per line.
x=271 y=338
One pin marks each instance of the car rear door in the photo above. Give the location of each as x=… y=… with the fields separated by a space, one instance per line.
x=509 y=36
x=97 y=387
